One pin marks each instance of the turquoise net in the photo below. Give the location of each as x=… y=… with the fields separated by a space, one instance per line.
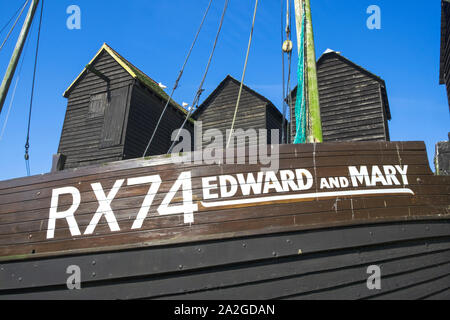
x=300 y=103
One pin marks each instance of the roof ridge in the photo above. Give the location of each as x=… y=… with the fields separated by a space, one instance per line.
x=134 y=72
x=128 y=62
x=339 y=55
x=230 y=77
x=252 y=90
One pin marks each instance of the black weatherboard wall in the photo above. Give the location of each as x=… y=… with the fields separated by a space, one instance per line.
x=353 y=101
x=111 y=112
x=255 y=111
x=442 y=157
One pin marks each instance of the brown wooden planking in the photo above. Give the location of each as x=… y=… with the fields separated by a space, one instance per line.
x=20 y=203
x=429 y=196
x=87 y=188
x=169 y=176
x=417 y=165
x=137 y=194
x=303 y=151
x=200 y=232
x=431 y=202
x=296 y=149
x=121 y=204
x=126 y=210
x=351 y=146
x=436 y=194
x=38 y=219
x=139 y=191
x=43 y=190
x=387 y=206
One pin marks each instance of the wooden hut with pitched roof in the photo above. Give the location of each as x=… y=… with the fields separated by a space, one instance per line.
x=112 y=110
x=442 y=157
x=354 y=105
x=326 y=223
x=444 y=68
x=255 y=111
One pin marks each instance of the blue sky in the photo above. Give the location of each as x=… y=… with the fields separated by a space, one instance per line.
x=155 y=36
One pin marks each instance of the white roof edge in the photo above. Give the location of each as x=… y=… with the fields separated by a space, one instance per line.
x=331 y=50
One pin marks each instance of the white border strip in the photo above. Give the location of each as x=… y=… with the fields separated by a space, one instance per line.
x=305 y=196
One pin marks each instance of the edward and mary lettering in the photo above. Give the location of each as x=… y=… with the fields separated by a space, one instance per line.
x=237 y=190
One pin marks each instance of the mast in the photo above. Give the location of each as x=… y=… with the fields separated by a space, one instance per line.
x=9 y=75
x=308 y=78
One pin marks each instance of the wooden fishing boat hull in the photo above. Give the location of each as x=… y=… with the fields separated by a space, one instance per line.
x=414 y=259
x=316 y=243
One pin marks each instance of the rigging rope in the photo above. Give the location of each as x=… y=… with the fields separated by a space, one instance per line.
x=178 y=79
x=11 y=19
x=200 y=89
x=14 y=90
x=282 y=63
x=14 y=25
x=288 y=86
x=27 y=144
x=9 y=108
x=243 y=75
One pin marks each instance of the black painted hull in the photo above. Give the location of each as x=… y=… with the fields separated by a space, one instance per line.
x=414 y=258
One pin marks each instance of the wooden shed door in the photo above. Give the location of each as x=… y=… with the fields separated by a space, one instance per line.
x=114 y=118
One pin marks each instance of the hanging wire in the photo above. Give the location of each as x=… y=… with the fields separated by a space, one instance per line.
x=286 y=88
x=178 y=79
x=27 y=144
x=14 y=90
x=11 y=19
x=288 y=85
x=200 y=88
x=9 y=108
x=243 y=75
x=14 y=25
x=288 y=37
x=282 y=62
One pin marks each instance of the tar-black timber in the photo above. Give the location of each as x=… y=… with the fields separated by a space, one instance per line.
x=414 y=258
x=353 y=102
